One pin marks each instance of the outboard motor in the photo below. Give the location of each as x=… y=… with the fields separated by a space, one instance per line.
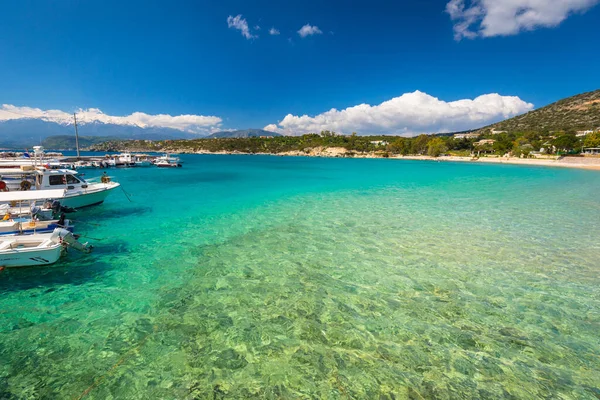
x=58 y=208
x=65 y=237
x=41 y=213
x=55 y=206
x=38 y=212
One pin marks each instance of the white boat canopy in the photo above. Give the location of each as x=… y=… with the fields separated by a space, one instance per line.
x=32 y=195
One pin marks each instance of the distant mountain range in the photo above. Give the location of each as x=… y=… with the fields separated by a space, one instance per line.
x=28 y=132
x=244 y=133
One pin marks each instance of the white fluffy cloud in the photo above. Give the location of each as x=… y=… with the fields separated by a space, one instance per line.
x=485 y=18
x=409 y=114
x=308 y=30
x=273 y=31
x=187 y=123
x=240 y=24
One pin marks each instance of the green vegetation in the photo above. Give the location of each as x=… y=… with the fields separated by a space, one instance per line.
x=515 y=144
x=436 y=147
x=592 y=140
x=255 y=144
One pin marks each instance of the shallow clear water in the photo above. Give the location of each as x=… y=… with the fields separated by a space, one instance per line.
x=272 y=277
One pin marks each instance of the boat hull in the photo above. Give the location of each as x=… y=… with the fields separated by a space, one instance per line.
x=29 y=257
x=168 y=165
x=82 y=198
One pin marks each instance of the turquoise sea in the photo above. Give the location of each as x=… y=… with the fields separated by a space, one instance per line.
x=306 y=278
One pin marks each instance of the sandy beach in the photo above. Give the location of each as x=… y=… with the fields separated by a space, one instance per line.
x=565 y=162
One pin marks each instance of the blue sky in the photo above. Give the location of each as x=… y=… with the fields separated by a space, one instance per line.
x=180 y=57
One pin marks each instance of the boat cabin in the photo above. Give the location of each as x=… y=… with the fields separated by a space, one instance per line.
x=42 y=179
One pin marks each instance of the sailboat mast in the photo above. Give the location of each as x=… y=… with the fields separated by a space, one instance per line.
x=76 y=135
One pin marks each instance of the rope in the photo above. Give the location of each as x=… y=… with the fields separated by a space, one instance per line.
x=126 y=194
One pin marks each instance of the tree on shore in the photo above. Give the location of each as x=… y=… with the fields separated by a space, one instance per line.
x=436 y=147
x=566 y=142
x=400 y=146
x=419 y=144
x=592 y=140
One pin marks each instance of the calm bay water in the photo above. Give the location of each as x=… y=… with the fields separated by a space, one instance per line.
x=272 y=277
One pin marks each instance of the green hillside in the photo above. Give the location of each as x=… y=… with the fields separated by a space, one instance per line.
x=576 y=113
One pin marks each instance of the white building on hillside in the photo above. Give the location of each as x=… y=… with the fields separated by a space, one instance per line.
x=470 y=135
x=484 y=141
x=583 y=133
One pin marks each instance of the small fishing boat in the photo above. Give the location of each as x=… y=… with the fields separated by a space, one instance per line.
x=23 y=216
x=167 y=164
x=29 y=250
x=28 y=226
x=19 y=203
x=38 y=249
x=124 y=160
x=167 y=161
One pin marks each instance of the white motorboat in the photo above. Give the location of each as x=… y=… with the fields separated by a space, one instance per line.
x=38 y=249
x=126 y=160
x=166 y=164
x=143 y=160
x=167 y=161
x=29 y=250
x=78 y=192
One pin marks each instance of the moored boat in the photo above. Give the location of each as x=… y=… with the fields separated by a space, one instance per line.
x=27 y=226
x=38 y=249
x=19 y=203
x=167 y=161
x=20 y=215
x=78 y=192
x=167 y=164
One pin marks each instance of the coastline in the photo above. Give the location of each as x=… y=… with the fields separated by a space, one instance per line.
x=589 y=163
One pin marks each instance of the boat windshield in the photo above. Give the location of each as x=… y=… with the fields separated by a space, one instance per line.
x=63 y=180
